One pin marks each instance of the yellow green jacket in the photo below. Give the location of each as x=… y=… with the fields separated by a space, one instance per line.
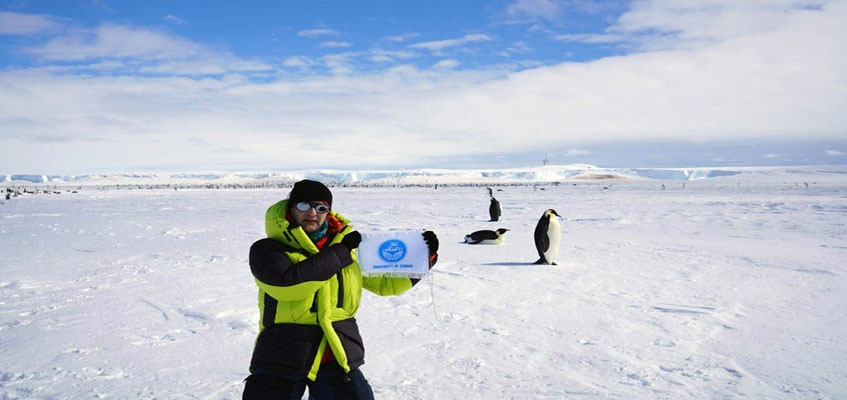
x=308 y=297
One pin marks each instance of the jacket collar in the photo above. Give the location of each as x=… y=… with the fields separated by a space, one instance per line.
x=278 y=227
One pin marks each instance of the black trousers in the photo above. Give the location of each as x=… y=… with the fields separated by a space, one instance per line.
x=332 y=383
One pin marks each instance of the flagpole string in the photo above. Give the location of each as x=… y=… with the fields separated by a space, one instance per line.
x=432 y=295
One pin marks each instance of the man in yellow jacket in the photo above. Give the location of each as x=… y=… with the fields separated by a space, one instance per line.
x=310 y=287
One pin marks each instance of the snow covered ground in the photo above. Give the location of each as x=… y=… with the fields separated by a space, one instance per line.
x=728 y=287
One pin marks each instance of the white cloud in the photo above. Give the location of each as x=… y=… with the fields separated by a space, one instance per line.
x=176 y=20
x=12 y=23
x=544 y=14
x=443 y=44
x=519 y=47
x=592 y=38
x=140 y=49
x=317 y=33
x=668 y=24
x=335 y=44
x=834 y=153
x=534 y=9
x=341 y=63
x=385 y=56
x=381 y=57
x=446 y=64
x=298 y=62
x=116 y=41
x=777 y=81
x=401 y=38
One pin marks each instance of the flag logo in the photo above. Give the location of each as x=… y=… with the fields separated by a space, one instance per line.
x=392 y=250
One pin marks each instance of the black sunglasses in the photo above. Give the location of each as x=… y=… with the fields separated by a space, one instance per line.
x=304 y=206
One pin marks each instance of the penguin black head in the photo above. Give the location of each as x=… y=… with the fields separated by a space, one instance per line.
x=502 y=230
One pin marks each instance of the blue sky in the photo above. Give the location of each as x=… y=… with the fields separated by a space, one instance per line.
x=98 y=86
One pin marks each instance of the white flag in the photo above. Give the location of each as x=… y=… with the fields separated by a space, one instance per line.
x=395 y=253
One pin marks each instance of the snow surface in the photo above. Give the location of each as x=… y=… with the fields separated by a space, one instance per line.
x=726 y=287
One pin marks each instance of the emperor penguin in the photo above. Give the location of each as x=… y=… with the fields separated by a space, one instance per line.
x=486 y=237
x=547 y=235
x=494 y=209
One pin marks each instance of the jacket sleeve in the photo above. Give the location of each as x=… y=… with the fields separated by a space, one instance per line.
x=384 y=286
x=285 y=280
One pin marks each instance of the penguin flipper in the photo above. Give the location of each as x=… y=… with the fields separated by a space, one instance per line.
x=545 y=243
x=542 y=242
x=470 y=240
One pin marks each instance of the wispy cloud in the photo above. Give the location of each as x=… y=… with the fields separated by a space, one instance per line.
x=446 y=64
x=401 y=38
x=115 y=41
x=535 y=9
x=443 y=44
x=335 y=44
x=298 y=62
x=662 y=25
x=175 y=20
x=311 y=33
x=389 y=56
x=12 y=23
x=139 y=49
x=519 y=47
x=544 y=15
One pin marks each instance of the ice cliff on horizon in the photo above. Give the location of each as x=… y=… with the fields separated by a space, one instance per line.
x=539 y=174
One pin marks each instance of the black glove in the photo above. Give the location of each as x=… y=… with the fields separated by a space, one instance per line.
x=352 y=240
x=431 y=242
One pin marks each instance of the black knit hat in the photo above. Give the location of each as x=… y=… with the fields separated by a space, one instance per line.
x=307 y=190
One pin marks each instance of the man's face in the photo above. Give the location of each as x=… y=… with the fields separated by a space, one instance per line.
x=310 y=220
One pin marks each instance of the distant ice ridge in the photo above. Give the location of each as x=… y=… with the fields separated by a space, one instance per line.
x=535 y=174
x=152 y=178
x=677 y=174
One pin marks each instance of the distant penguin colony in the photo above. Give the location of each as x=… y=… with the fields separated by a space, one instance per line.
x=547 y=236
x=486 y=237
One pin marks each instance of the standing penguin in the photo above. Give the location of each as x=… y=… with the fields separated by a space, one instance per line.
x=494 y=209
x=547 y=235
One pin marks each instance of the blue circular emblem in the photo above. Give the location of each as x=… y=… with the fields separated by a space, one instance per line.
x=392 y=250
